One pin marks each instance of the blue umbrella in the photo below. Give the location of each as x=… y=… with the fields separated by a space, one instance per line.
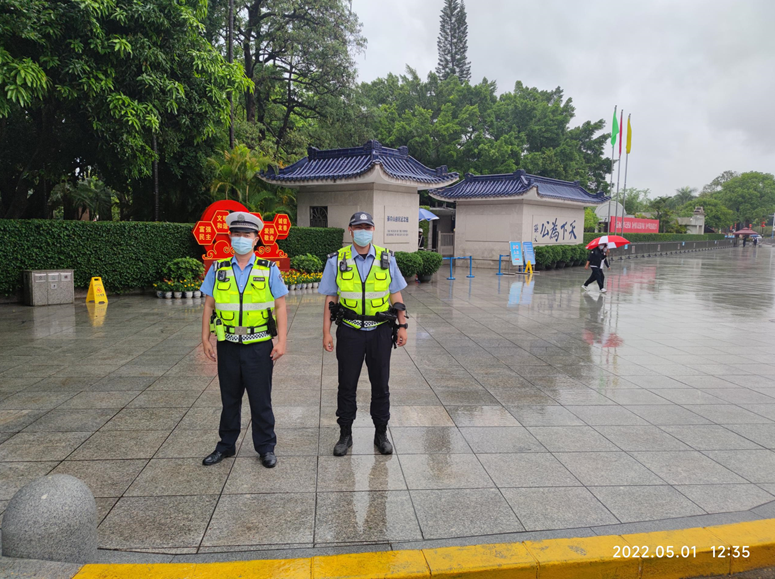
x=426 y=215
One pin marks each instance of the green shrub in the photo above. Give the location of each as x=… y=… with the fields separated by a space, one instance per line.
x=581 y=255
x=184 y=268
x=566 y=254
x=542 y=255
x=307 y=263
x=318 y=241
x=408 y=263
x=125 y=254
x=431 y=262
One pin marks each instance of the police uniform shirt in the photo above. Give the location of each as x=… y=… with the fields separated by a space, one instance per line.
x=328 y=285
x=276 y=284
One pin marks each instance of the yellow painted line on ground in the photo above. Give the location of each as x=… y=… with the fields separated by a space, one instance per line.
x=695 y=552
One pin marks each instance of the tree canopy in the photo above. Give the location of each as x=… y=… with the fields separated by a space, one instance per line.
x=89 y=83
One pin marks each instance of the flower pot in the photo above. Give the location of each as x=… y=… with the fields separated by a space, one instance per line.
x=425 y=278
x=177 y=295
x=189 y=294
x=159 y=294
x=197 y=294
x=316 y=285
x=168 y=295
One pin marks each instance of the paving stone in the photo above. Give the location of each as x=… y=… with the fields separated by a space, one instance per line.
x=494 y=439
x=360 y=516
x=14 y=475
x=105 y=478
x=146 y=419
x=726 y=498
x=645 y=503
x=481 y=416
x=686 y=467
x=41 y=446
x=557 y=508
x=120 y=444
x=440 y=471
x=429 y=440
x=756 y=466
x=527 y=469
x=570 y=438
x=607 y=469
x=544 y=416
x=292 y=474
x=359 y=473
x=264 y=519
x=72 y=420
x=180 y=476
x=643 y=437
x=157 y=522
x=712 y=437
x=463 y=513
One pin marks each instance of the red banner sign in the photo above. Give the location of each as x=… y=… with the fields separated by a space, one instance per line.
x=633 y=225
x=212 y=233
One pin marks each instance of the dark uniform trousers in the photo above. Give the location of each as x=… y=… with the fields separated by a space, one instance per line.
x=596 y=275
x=352 y=346
x=246 y=367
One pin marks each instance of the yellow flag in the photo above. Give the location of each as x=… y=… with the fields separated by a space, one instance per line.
x=629 y=135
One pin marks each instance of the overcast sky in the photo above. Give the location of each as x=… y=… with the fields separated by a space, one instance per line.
x=697 y=76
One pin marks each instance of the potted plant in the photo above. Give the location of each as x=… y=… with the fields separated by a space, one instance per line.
x=307 y=263
x=184 y=268
x=316 y=277
x=431 y=262
x=188 y=288
x=177 y=289
x=158 y=287
x=166 y=288
x=408 y=264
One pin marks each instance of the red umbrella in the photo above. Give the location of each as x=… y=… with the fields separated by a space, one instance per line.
x=745 y=231
x=611 y=240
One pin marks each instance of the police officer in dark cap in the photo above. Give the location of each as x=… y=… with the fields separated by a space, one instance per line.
x=363 y=288
x=245 y=309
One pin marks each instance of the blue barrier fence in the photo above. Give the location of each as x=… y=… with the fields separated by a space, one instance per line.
x=470 y=265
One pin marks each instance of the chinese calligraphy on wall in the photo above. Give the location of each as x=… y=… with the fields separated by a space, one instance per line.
x=557 y=230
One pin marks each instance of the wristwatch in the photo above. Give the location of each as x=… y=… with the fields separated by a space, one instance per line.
x=405 y=326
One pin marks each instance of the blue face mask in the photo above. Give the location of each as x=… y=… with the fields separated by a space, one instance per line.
x=242 y=245
x=362 y=237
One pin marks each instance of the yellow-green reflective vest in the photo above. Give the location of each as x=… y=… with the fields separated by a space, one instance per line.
x=365 y=299
x=244 y=315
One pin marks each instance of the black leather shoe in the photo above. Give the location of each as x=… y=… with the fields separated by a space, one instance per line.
x=382 y=443
x=217 y=457
x=268 y=459
x=344 y=444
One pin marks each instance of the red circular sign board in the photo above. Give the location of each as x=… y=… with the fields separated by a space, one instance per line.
x=212 y=233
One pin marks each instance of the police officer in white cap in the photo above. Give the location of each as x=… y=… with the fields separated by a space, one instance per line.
x=245 y=309
x=363 y=288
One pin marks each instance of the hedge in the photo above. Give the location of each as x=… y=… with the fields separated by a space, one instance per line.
x=125 y=254
x=644 y=237
x=319 y=241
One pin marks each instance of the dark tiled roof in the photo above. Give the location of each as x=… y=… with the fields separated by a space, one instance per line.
x=514 y=185
x=351 y=163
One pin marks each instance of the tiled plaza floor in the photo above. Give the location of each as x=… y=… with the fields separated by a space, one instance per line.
x=517 y=411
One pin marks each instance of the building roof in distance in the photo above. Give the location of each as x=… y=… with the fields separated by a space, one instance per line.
x=515 y=185
x=369 y=163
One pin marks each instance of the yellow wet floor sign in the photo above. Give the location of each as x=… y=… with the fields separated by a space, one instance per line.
x=96 y=292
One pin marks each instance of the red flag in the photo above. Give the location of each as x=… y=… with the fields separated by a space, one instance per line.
x=621 y=129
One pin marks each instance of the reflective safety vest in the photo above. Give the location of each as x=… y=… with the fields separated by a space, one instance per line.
x=244 y=315
x=367 y=298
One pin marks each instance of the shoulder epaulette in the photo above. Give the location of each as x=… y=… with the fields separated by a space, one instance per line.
x=264 y=263
x=332 y=254
x=226 y=263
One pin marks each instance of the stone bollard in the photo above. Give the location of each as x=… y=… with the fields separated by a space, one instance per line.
x=52 y=518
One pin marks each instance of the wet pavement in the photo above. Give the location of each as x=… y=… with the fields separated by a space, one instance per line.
x=519 y=410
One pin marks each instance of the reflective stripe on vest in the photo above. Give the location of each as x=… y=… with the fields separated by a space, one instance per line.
x=364 y=298
x=251 y=308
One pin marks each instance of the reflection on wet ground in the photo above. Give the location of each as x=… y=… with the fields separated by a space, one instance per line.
x=520 y=409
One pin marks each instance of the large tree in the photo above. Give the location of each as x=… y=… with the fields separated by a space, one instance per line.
x=91 y=85
x=452 y=43
x=750 y=196
x=299 y=57
x=470 y=128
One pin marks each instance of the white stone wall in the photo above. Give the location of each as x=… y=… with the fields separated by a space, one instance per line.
x=379 y=199
x=484 y=228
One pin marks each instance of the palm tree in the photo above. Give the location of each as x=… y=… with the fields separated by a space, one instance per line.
x=237 y=173
x=89 y=198
x=682 y=197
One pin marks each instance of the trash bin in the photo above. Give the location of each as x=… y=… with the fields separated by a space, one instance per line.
x=48 y=287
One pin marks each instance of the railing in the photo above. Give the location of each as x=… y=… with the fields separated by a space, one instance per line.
x=470 y=266
x=652 y=249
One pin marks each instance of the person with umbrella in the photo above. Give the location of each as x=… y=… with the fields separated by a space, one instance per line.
x=597 y=257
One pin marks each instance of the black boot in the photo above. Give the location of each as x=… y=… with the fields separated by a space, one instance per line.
x=381 y=440
x=345 y=441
